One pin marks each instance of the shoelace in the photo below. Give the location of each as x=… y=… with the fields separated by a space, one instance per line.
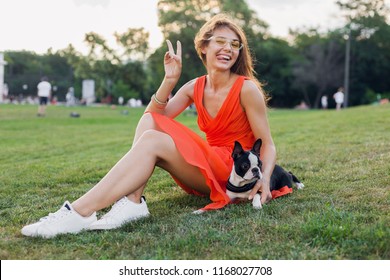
x=57 y=215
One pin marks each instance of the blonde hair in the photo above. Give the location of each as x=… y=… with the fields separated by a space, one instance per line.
x=244 y=64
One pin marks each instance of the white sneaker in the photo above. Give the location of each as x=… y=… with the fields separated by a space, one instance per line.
x=65 y=220
x=122 y=211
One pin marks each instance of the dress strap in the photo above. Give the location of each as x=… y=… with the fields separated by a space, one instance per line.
x=198 y=90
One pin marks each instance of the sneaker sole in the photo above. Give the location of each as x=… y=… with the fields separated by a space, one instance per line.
x=48 y=236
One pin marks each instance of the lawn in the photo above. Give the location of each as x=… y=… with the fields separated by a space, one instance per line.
x=343 y=158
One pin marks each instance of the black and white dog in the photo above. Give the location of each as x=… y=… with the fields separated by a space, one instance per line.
x=247 y=170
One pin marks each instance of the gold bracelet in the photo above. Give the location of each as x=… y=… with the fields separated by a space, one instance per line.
x=154 y=97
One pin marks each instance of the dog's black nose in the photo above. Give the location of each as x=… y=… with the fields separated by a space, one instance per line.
x=255 y=171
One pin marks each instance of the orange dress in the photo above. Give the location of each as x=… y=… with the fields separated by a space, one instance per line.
x=212 y=157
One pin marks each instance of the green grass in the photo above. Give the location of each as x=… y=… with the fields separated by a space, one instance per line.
x=343 y=158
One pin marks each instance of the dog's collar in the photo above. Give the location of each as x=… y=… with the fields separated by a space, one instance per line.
x=244 y=188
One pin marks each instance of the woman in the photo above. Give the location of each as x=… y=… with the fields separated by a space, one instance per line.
x=231 y=106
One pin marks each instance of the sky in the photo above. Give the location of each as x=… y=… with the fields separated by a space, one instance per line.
x=42 y=24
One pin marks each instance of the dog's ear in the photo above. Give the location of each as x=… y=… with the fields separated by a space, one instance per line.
x=237 y=150
x=256 y=146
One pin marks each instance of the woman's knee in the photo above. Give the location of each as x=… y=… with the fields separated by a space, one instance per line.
x=153 y=139
x=162 y=146
x=145 y=123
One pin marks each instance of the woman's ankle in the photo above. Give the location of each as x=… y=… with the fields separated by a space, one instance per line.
x=82 y=211
x=136 y=198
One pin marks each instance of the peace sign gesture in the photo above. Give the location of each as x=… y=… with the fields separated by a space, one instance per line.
x=172 y=62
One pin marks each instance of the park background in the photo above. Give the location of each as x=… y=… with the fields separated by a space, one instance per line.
x=341 y=156
x=307 y=63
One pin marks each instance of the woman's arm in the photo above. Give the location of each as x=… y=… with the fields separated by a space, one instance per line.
x=159 y=101
x=252 y=101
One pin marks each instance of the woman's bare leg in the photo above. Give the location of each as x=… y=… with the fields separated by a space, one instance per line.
x=145 y=123
x=128 y=177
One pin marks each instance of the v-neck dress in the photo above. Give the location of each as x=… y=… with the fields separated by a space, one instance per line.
x=213 y=155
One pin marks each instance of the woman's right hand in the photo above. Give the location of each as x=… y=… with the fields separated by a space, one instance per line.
x=172 y=62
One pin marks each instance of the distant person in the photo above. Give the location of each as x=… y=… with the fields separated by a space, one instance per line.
x=324 y=102
x=138 y=103
x=132 y=102
x=339 y=98
x=54 y=100
x=44 y=92
x=70 y=99
x=302 y=106
x=5 y=92
x=121 y=100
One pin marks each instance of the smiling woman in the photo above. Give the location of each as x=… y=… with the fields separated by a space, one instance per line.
x=231 y=107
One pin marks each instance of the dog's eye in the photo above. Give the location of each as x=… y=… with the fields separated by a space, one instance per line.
x=245 y=166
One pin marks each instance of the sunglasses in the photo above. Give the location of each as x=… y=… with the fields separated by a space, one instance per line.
x=222 y=41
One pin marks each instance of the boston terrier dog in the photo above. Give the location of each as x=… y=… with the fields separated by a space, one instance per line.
x=246 y=172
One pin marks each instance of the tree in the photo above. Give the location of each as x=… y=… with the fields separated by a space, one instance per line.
x=273 y=68
x=358 y=9
x=367 y=22
x=25 y=69
x=113 y=70
x=134 y=43
x=320 y=67
x=121 y=89
x=80 y=67
x=180 y=20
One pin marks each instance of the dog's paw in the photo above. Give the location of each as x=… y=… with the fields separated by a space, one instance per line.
x=257 y=207
x=256 y=202
x=300 y=186
x=198 y=212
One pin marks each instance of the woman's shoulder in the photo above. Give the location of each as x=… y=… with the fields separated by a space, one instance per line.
x=188 y=88
x=249 y=87
x=251 y=93
x=191 y=83
x=249 y=83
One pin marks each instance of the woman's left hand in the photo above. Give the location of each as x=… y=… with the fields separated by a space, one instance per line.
x=263 y=187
